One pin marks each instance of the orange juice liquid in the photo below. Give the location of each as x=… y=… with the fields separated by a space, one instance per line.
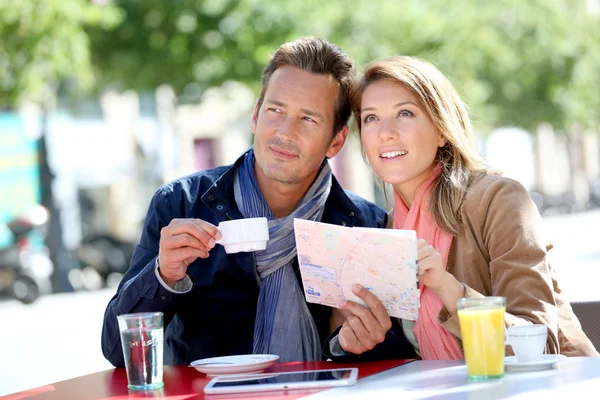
x=482 y=331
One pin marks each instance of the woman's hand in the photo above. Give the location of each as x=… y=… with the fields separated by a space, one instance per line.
x=433 y=274
x=431 y=266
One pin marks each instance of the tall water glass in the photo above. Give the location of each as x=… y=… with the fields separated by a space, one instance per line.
x=142 y=340
x=482 y=330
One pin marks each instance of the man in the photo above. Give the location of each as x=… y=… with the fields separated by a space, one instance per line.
x=217 y=304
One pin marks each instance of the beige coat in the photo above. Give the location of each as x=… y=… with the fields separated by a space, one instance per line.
x=502 y=251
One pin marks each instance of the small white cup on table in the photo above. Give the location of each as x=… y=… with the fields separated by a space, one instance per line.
x=527 y=341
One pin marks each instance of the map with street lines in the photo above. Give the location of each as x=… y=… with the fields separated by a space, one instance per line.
x=332 y=258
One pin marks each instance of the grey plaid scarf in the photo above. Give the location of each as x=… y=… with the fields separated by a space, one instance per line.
x=284 y=325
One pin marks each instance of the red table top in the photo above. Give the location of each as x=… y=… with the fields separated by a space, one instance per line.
x=181 y=383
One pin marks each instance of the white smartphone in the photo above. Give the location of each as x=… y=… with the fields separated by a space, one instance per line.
x=282 y=381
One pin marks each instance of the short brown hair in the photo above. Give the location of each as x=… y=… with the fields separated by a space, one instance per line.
x=316 y=56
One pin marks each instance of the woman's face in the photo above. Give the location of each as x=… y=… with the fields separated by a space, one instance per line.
x=398 y=136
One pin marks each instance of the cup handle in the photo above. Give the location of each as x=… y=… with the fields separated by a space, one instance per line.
x=506 y=340
x=220 y=240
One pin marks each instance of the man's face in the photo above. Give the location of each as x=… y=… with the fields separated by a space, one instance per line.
x=294 y=126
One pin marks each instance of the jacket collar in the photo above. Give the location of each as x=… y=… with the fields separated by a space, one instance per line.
x=219 y=198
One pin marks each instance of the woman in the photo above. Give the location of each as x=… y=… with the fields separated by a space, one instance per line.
x=479 y=233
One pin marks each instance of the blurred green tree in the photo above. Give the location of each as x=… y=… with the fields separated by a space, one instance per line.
x=190 y=44
x=523 y=63
x=44 y=43
x=516 y=63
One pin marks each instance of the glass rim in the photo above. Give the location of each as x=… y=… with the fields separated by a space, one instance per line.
x=484 y=301
x=140 y=315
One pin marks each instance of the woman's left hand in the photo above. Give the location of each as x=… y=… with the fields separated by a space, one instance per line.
x=432 y=272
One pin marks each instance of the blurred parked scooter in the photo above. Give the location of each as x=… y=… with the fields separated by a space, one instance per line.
x=103 y=260
x=22 y=261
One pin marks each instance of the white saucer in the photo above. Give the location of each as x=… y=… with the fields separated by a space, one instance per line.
x=244 y=364
x=546 y=362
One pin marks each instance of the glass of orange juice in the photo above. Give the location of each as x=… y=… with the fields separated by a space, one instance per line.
x=482 y=330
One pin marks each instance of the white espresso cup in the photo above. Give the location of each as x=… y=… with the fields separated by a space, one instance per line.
x=248 y=234
x=527 y=341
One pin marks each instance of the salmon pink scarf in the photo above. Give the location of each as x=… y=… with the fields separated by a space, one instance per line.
x=435 y=342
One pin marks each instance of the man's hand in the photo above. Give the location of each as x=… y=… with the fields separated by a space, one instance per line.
x=182 y=242
x=365 y=327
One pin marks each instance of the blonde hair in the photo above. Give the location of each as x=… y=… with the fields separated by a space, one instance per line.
x=460 y=162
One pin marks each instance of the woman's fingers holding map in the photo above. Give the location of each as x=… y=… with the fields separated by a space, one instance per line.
x=430 y=265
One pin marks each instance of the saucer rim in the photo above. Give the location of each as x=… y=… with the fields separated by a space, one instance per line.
x=548 y=359
x=236 y=367
x=270 y=357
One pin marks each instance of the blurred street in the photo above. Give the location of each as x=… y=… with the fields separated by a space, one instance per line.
x=53 y=339
x=70 y=345
x=576 y=253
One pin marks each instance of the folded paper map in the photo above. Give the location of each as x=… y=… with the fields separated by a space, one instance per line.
x=333 y=258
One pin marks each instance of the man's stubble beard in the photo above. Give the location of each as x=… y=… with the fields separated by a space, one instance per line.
x=278 y=175
x=275 y=174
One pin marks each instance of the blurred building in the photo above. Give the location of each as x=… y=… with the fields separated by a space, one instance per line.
x=108 y=166
x=19 y=178
x=560 y=169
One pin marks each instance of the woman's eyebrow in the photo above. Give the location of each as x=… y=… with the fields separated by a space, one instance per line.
x=395 y=106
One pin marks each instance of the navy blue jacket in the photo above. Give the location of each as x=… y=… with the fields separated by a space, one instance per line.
x=216 y=318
